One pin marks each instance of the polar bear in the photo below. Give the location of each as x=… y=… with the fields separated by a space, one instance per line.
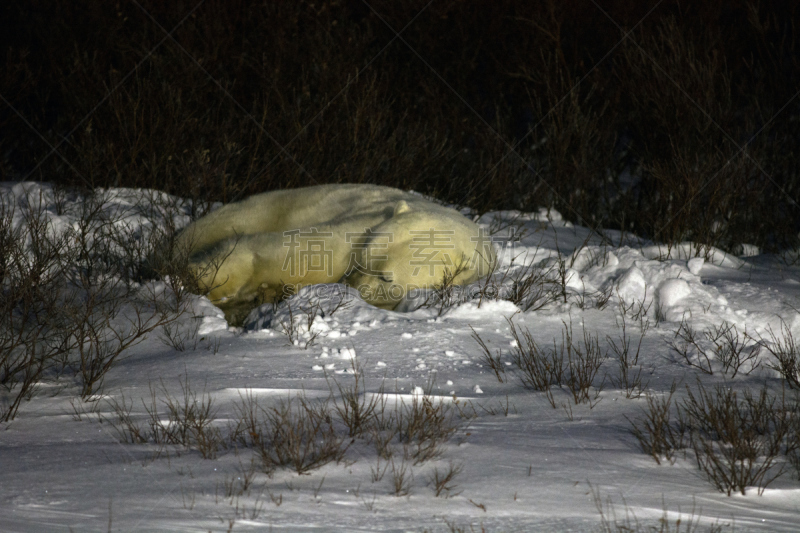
x=382 y=241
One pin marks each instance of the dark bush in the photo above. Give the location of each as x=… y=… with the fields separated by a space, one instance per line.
x=683 y=128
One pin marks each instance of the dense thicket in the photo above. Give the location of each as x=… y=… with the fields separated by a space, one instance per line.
x=675 y=120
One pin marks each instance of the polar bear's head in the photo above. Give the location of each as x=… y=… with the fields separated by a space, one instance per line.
x=413 y=250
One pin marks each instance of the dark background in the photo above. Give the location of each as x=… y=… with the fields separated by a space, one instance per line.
x=674 y=120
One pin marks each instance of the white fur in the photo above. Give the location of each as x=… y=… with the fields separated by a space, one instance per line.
x=251 y=237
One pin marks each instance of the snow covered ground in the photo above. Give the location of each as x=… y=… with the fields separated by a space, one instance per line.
x=520 y=464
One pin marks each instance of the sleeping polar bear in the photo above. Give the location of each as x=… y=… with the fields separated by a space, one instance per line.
x=382 y=241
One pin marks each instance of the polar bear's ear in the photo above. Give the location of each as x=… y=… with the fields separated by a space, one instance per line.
x=401 y=207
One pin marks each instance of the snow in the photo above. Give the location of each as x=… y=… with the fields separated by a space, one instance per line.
x=695 y=265
x=672 y=291
x=525 y=465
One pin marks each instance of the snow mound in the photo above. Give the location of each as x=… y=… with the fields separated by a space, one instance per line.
x=672 y=291
x=695 y=265
x=483 y=310
x=653 y=279
x=212 y=317
x=688 y=250
x=632 y=286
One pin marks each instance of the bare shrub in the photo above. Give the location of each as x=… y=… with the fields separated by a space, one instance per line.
x=584 y=361
x=355 y=408
x=68 y=302
x=603 y=297
x=659 y=434
x=424 y=424
x=786 y=350
x=379 y=471
x=699 y=87
x=443 y=481
x=571 y=364
x=689 y=340
x=721 y=344
x=297 y=433
x=793 y=439
x=31 y=268
x=189 y=421
x=296 y=325
x=302 y=312
x=503 y=408
x=637 y=309
x=180 y=337
x=732 y=350
x=563 y=148
x=128 y=430
x=446 y=294
x=402 y=477
x=533 y=288
x=704 y=182
x=489 y=288
x=383 y=430
x=303 y=435
x=171 y=260
x=97 y=326
x=528 y=285
x=541 y=369
x=492 y=361
x=685 y=522
x=737 y=439
x=630 y=374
